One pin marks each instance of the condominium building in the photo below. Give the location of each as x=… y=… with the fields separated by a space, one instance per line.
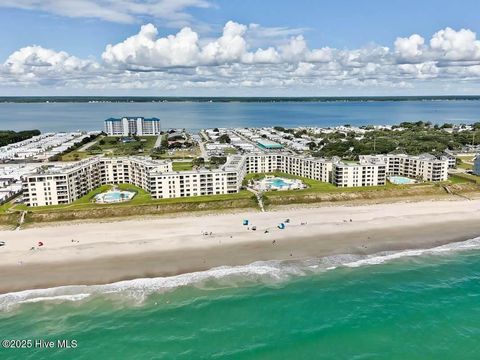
x=358 y=174
x=65 y=184
x=132 y=126
x=313 y=168
x=425 y=167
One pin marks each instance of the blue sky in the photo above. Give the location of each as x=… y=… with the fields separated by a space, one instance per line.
x=314 y=47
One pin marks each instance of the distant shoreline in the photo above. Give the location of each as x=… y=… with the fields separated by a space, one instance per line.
x=232 y=99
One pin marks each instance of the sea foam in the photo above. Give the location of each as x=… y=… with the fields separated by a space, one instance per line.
x=266 y=272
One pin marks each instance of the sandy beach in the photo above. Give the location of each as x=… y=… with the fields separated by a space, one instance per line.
x=103 y=252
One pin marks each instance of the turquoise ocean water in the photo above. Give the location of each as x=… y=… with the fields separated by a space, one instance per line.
x=405 y=305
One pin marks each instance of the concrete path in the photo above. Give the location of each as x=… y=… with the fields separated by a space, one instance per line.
x=158 y=142
x=89 y=145
x=258 y=196
x=202 y=147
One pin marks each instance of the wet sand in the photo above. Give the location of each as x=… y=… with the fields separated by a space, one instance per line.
x=104 y=252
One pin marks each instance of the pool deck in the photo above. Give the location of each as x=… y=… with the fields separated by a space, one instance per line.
x=106 y=197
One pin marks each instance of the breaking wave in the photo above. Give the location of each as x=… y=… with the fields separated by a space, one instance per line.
x=266 y=272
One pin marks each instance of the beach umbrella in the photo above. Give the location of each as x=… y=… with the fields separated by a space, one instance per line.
x=281 y=226
x=245 y=222
x=40 y=243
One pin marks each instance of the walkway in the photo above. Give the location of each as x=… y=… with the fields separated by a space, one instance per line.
x=202 y=146
x=158 y=142
x=89 y=144
x=259 y=197
x=21 y=221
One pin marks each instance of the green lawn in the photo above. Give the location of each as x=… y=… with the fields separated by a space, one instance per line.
x=75 y=155
x=314 y=186
x=182 y=166
x=112 y=145
x=464 y=165
x=462 y=178
x=230 y=151
x=466 y=158
x=457 y=179
x=142 y=197
x=5 y=207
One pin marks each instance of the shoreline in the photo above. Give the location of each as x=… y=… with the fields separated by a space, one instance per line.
x=106 y=252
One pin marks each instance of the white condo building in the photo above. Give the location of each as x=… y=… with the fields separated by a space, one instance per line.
x=67 y=183
x=425 y=167
x=132 y=126
x=358 y=174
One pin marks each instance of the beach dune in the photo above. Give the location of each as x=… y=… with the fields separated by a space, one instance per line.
x=104 y=252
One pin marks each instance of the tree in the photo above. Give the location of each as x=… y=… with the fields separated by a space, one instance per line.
x=218 y=160
x=224 y=139
x=311 y=145
x=200 y=161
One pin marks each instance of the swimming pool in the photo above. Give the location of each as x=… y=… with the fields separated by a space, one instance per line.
x=278 y=183
x=401 y=180
x=114 y=196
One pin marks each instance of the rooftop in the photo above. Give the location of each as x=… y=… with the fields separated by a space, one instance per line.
x=133 y=118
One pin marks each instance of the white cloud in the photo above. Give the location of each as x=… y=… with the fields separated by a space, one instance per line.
x=122 y=11
x=36 y=62
x=409 y=49
x=144 y=50
x=230 y=47
x=456 y=45
x=186 y=60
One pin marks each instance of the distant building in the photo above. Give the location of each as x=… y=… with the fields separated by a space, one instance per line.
x=476 y=165
x=132 y=126
x=268 y=144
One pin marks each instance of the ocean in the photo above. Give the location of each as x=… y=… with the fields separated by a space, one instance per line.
x=411 y=304
x=194 y=115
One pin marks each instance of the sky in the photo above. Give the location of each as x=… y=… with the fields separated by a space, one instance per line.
x=239 y=48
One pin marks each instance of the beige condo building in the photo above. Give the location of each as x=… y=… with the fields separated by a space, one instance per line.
x=424 y=167
x=65 y=184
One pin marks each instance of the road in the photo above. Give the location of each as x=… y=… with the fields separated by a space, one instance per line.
x=158 y=142
x=202 y=146
x=90 y=144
